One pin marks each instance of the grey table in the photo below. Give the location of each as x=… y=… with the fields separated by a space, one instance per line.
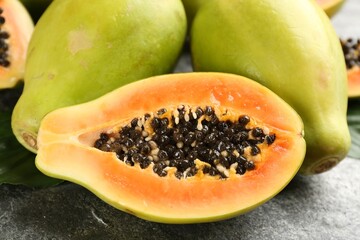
x=325 y=206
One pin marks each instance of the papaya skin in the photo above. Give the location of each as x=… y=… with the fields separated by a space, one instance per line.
x=331 y=7
x=265 y=41
x=67 y=135
x=19 y=25
x=80 y=51
x=191 y=8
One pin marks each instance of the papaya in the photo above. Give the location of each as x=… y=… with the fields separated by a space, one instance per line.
x=280 y=52
x=191 y=7
x=79 y=51
x=17 y=165
x=177 y=148
x=351 y=49
x=16 y=27
x=331 y=7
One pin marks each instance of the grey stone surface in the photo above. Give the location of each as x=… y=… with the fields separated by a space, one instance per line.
x=325 y=206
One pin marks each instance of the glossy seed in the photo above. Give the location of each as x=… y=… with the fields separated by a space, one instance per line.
x=209 y=111
x=134 y=122
x=270 y=139
x=244 y=120
x=257 y=132
x=163 y=155
x=255 y=150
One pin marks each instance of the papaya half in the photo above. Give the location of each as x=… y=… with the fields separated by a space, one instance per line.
x=280 y=52
x=177 y=148
x=16 y=27
x=351 y=49
x=80 y=51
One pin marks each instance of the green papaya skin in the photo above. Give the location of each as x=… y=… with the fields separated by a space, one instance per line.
x=290 y=47
x=80 y=51
x=191 y=8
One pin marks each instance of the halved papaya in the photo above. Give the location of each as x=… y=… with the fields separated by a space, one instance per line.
x=330 y=6
x=351 y=49
x=126 y=146
x=16 y=27
x=354 y=82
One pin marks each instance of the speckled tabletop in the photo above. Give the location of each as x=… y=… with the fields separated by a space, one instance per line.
x=325 y=206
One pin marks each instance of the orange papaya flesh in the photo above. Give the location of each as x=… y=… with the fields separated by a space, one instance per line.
x=351 y=49
x=67 y=139
x=16 y=27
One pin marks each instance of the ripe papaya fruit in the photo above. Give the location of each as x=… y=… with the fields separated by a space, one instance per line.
x=80 y=51
x=191 y=7
x=331 y=7
x=351 y=49
x=16 y=27
x=17 y=165
x=273 y=43
x=177 y=148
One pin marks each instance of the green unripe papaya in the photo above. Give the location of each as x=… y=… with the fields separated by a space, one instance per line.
x=290 y=47
x=191 y=8
x=81 y=50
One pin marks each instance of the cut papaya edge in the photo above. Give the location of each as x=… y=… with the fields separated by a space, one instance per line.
x=16 y=29
x=66 y=149
x=353 y=82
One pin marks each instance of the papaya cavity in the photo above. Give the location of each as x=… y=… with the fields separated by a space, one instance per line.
x=16 y=27
x=4 y=47
x=177 y=148
x=351 y=49
x=189 y=141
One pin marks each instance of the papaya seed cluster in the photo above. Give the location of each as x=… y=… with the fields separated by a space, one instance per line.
x=4 y=47
x=351 y=49
x=188 y=140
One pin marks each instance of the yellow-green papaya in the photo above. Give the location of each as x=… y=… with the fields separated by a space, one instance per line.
x=290 y=47
x=82 y=49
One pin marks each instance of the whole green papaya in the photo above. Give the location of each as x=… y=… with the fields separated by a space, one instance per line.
x=83 y=49
x=290 y=47
x=191 y=8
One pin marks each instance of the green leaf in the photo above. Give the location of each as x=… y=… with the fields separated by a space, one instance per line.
x=17 y=164
x=353 y=117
